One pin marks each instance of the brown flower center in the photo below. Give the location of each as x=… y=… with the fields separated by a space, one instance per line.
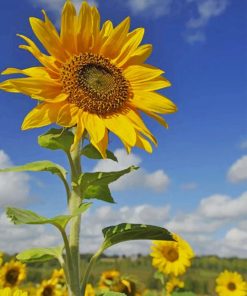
x=231 y=286
x=48 y=291
x=94 y=84
x=11 y=276
x=171 y=254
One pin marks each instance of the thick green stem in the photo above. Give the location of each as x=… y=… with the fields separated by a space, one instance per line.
x=74 y=203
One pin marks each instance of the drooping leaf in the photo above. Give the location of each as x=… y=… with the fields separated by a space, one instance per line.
x=126 y=232
x=39 y=166
x=91 y=152
x=40 y=254
x=95 y=185
x=56 y=139
x=22 y=216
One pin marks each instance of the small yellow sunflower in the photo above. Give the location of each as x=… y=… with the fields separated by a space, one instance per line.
x=231 y=284
x=93 y=77
x=108 y=277
x=12 y=292
x=172 y=257
x=59 y=278
x=125 y=286
x=173 y=284
x=48 y=288
x=12 y=274
x=89 y=290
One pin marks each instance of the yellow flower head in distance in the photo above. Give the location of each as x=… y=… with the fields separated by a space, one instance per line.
x=231 y=284
x=172 y=257
x=89 y=290
x=12 y=292
x=58 y=277
x=92 y=76
x=1 y=258
x=12 y=274
x=48 y=288
x=173 y=284
x=108 y=277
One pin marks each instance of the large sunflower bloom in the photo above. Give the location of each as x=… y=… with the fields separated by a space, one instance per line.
x=12 y=292
x=12 y=274
x=230 y=284
x=93 y=77
x=172 y=257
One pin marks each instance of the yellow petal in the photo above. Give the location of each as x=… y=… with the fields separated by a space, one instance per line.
x=68 y=27
x=150 y=85
x=38 y=88
x=143 y=144
x=84 y=30
x=122 y=127
x=45 y=60
x=67 y=115
x=158 y=118
x=113 y=45
x=102 y=145
x=154 y=102
x=140 y=125
x=79 y=131
x=140 y=55
x=42 y=115
x=33 y=71
x=49 y=39
x=138 y=73
x=94 y=125
x=133 y=40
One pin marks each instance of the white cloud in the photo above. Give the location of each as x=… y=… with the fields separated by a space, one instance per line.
x=15 y=238
x=157 y=181
x=14 y=187
x=206 y=10
x=154 y=8
x=238 y=171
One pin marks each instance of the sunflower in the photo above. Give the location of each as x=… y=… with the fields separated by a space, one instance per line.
x=48 y=288
x=1 y=258
x=231 y=284
x=59 y=278
x=12 y=292
x=89 y=290
x=172 y=257
x=108 y=277
x=12 y=274
x=124 y=286
x=173 y=284
x=93 y=77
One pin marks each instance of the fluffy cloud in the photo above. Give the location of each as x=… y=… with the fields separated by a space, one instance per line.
x=157 y=181
x=14 y=187
x=155 y=8
x=206 y=10
x=56 y=5
x=238 y=171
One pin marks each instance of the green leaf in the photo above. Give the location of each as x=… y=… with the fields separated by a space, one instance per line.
x=56 y=139
x=160 y=276
x=21 y=216
x=39 y=166
x=126 y=232
x=95 y=185
x=98 y=192
x=91 y=152
x=40 y=254
x=110 y=293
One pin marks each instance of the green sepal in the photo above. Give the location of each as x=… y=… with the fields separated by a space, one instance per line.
x=91 y=152
x=95 y=185
x=22 y=216
x=126 y=232
x=56 y=139
x=40 y=254
x=39 y=166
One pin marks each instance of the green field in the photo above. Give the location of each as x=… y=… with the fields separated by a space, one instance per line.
x=200 y=278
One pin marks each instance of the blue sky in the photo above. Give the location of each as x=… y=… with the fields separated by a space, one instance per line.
x=201 y=44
